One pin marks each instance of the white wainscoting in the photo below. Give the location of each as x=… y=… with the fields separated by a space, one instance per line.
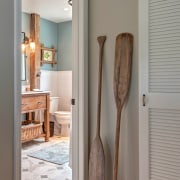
x=48 y=82
x=64 y=87
x=60 y=85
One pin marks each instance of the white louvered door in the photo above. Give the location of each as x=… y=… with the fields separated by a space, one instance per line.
x=159 y=81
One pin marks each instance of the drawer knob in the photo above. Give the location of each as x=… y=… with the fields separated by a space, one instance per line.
x=39 y=103
x=23 y=104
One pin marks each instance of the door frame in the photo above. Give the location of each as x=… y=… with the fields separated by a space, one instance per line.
x=143 y=89
x=80 y=91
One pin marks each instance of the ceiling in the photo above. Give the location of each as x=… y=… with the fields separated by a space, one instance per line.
x=53 y=10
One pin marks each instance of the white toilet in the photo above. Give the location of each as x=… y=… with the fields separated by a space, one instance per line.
x=61 y=119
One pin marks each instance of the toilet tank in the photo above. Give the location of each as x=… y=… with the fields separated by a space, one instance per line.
x=54 y=104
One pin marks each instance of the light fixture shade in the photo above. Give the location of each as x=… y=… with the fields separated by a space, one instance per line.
x=23 y=47
x=70 y=2
x=32 y=46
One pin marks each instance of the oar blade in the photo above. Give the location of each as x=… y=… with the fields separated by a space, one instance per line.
x=97 y=161
x=122 y=67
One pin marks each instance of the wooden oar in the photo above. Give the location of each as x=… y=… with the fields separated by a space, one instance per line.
x=97 y=159
x=122 y=74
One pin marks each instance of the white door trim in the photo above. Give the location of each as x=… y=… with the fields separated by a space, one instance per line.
x=162 y=100
x=16 y=14
x=143 y=76
x=80 y=92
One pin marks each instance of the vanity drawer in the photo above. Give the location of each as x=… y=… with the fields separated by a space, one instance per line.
x=32 y=103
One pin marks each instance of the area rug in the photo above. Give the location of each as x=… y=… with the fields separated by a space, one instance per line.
x=57 y=153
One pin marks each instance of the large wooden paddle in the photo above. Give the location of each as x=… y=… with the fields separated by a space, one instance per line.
x=97 y=159
x=122 y=74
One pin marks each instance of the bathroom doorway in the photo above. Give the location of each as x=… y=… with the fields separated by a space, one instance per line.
x=50 y=159
x=77 y=113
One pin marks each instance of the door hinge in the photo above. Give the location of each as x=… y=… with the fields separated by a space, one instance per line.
x=143 y=100
x=73 y=102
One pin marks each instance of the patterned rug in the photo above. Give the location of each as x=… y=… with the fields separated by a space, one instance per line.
x=57 y=153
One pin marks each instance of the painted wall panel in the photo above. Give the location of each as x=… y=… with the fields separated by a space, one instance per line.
x=111 y=18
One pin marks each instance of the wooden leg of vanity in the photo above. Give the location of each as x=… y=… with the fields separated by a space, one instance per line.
x=46 y=119
x=46 y=125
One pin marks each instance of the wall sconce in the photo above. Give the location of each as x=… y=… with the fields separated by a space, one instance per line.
x=26 y=41
x=70 y=2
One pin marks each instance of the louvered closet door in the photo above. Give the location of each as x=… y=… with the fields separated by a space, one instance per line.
x=159 y=67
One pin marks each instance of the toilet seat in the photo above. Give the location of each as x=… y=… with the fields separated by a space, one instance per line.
x=64 y=113
x=63 y=117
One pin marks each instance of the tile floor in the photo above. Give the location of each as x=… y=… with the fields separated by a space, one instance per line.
x=35 y=169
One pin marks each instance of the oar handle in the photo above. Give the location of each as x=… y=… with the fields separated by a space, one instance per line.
x=101 y=41
x=116 y=151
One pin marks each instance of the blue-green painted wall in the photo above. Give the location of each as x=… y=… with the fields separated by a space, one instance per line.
x=58 y=35
x=49 y=37
x=65 y=46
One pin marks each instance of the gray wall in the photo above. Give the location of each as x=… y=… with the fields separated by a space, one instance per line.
x=111 y=18
x=10 y=91
x=65 y=46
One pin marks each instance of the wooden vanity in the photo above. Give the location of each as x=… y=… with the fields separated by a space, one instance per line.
x=32 y=101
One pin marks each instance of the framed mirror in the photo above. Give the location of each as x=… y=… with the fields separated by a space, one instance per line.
x=24 y=41
x=23 y=67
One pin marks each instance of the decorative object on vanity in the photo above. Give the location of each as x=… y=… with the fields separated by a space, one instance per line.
x=122 y=75
x=56 y=153
x=70 y=2
x=48 y=55
x=97 y=157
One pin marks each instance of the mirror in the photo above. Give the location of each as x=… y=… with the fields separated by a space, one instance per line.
x=24 y=43
x=23 y=66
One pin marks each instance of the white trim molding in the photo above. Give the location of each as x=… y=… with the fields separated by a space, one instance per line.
x=17 y=89
x=80 y=90
x=143 y=84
